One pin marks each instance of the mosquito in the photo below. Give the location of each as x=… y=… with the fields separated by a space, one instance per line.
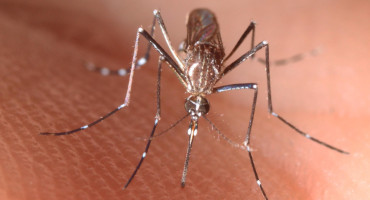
x=199 y=70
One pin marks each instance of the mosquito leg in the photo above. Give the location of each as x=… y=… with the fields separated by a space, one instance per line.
x=280 y=62
x=171 y=63
x=170 y=127
x=251 y=27
x=292 y=59
x=246 y=142
x=126 y=102
x=163 y=54
x=157 y=118
x=245 y=57
x=105 y=71
x=159 y=18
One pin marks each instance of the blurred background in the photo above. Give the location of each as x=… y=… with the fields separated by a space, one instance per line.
x=44 y=86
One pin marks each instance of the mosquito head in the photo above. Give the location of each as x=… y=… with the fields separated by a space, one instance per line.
x=197 y=105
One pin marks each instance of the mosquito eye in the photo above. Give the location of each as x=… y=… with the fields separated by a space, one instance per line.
x=189 y=106
x=197 y=104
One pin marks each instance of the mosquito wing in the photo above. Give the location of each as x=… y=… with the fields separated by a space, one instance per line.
x=202 y=28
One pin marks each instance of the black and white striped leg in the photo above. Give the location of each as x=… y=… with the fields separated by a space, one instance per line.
x=280 y=62
x=105 y=71
x=122 y=72
x=157 y=118
x=127 y=98
x=249 y=54
x=292 y=59
x=246 y=142
x=86 y=126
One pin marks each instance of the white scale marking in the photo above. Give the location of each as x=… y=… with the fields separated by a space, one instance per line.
x=90 y=66
x=141 y=61
x=189 y=131
x=144 y=154
x=85 y=127
x=308 y=136
x=121 y=106
x=122 y=72
x=104 y=71
x=258 y=182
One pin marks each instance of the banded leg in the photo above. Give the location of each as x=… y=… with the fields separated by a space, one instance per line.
x=270 y=109
x=105 y=71
x=292 y=59
x=157 y=118
x=163 y=54
x=126 y=102
x=246 y=142
x=178 y=65
x=280 y=62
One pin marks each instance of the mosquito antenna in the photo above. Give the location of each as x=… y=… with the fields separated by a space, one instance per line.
x=232 y=143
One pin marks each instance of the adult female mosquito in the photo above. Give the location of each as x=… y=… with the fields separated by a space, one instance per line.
x=199 y=71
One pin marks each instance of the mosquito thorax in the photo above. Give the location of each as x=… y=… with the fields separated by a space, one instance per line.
x=197 y=105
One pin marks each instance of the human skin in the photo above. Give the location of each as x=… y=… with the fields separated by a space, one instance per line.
x=45 y=87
